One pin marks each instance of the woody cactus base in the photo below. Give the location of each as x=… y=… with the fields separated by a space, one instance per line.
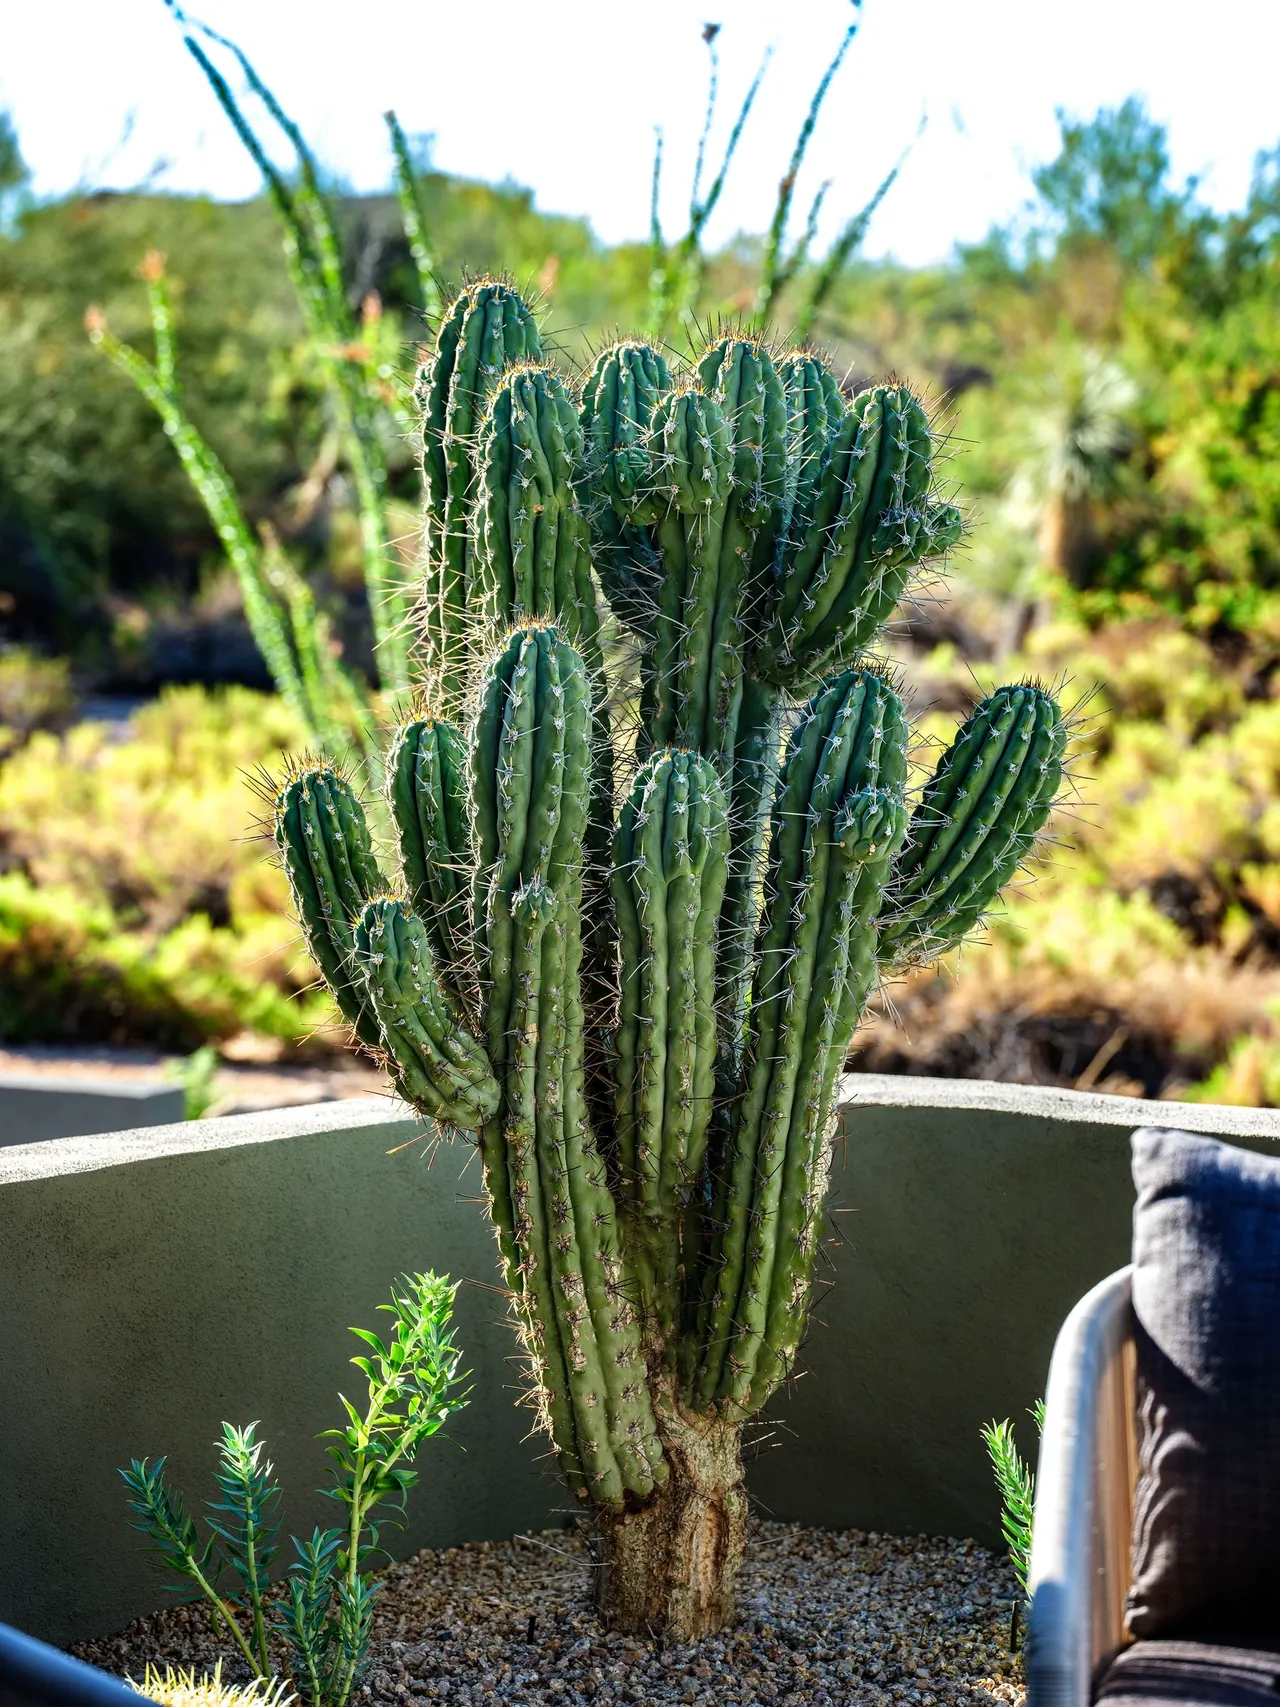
x=640 y=904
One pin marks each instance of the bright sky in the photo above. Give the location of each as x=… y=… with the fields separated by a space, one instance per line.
x=563 y=95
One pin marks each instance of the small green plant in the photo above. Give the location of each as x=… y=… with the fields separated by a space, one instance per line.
x=195 y=1073
x=1017 y=1485
x=170 y=1688
x=325 y=1614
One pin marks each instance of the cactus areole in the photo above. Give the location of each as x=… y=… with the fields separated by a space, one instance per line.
x=658 y=841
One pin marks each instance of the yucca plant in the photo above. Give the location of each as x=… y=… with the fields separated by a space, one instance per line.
x=656 y=845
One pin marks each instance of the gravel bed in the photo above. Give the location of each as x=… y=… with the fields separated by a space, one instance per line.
x=824 y=1618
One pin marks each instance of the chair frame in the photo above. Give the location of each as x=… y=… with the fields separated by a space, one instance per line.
x=1080 y=1553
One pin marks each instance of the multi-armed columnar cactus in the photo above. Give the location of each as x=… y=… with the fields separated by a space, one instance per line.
x=654 y=854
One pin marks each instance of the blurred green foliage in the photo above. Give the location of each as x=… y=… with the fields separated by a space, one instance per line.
x=136 y=904
x=1110 y=372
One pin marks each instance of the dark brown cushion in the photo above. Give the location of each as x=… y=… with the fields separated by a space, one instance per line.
x=1206 y=1297
x=1168 y=1674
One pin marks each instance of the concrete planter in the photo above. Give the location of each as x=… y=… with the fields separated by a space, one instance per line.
x=158 y=1280
x=36 y=1106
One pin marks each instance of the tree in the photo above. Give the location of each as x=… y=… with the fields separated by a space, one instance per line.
x=1110 y=182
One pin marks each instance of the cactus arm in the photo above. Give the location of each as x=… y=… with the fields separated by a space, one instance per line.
x=426 y=772
x=692 y=461
x=614 y=1326
x=851 y=740
x=846 y=564
x=951 y=808
x=627 y=1036
x=733 y=1186
x=755 y=770
x=530 y=547
x=868 y=832
x=618 y=400
x=436 y=1063
x=564 y=1255
x=781 y=1081
x=530 y=910
x=976 y=821
x=678 y=1106
x=485 y=329
x=531 y=817
x=669 y=879
x=328 y=857
x=828 y=547
x=892 y=538
x=650 y=886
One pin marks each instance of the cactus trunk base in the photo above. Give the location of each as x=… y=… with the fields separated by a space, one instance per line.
x=670 y=1568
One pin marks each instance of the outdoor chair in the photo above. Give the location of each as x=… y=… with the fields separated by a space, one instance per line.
x=32 y=1674
x=1155 y=1564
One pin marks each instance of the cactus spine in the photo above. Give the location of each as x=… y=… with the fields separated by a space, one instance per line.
x=628 y=953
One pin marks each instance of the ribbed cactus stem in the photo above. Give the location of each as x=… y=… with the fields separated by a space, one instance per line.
x=435 y=1061
x=484 y=330
x=619 y=397
x=532 y=791
x=531 y=554
x=328 y=856
x=427 y=790
x=755 y=770
x=815 y=408
x=847 y=559
x=669 y=877
x=976 y=822
x=522 y=1185
x=692 y=464
x=849 y=748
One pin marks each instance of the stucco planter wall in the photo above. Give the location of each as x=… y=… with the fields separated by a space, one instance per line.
x=35 y=1106
x=155 y=1281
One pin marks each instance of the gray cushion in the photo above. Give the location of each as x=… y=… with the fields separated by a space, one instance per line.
x=1206 y=1295
x=1190 y=1674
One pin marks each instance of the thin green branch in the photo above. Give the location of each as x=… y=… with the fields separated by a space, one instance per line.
x=313 y=255
x=709 y=34
x=207 y=474
x=844 y=248
x=679 y=265
x=414 y=219
x=770 y=276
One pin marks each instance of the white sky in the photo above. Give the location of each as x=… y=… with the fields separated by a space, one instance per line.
x=563 y=95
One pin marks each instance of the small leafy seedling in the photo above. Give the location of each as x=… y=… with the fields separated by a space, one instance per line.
x=1016 y=1483
x=326 y=1612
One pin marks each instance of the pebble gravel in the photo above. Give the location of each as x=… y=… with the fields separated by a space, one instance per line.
x=825 y=1618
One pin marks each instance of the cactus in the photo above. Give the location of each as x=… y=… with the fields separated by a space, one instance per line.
x=328 y=858
x=629 y=961
x=427 y=786
x=484 y=330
